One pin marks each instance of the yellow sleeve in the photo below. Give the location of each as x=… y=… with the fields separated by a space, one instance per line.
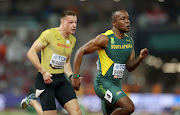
x=44 y=38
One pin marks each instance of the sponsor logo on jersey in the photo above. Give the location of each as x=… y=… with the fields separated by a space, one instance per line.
x=62 y=45
x=67 y=41
x=128 y=40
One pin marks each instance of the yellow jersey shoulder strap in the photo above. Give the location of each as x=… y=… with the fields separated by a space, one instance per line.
x=108 y=32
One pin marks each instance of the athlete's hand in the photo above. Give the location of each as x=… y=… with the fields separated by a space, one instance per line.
x=47 y=78
x=144 y=53
x=76 y=83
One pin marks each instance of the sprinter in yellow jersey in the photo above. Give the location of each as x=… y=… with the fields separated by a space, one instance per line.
x=56 y=45
x=116 y=51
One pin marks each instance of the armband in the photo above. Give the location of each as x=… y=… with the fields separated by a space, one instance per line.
x=76 y=76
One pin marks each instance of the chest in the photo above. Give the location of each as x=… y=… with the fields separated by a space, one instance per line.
x=119 y=48
x=60 y=46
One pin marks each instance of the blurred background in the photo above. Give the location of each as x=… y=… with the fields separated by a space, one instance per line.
x=154 y=86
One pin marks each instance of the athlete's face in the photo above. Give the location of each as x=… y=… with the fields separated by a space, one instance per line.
x=122 y=21
x=70 y=23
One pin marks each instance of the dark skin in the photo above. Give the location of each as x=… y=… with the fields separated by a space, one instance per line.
x=121 y=24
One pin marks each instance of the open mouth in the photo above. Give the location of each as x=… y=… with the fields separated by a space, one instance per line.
x=128 y=26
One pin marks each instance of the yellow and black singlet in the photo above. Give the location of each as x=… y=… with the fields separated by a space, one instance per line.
x=56 y=51
x=112 y=60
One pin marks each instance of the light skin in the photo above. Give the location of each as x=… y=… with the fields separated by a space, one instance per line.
x=67 y=26
x=121 y=24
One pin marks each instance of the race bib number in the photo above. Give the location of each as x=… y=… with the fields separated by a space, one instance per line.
x=108 y=96
x=118 y=70
x=58 y=61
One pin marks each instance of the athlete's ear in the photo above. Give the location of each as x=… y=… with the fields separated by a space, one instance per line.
x=62 y=21
x=114 y=23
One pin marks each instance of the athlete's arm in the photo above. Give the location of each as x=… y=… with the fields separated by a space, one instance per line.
x=67 y=67
x=133 y=62
x=93 y=45
x=33 y=57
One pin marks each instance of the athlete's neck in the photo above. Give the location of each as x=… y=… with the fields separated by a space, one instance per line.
x=63 y=32
x=118 y=33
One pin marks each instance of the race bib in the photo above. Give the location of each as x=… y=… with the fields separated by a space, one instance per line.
x=58 y=61
x=118 y=70
x=108 y=96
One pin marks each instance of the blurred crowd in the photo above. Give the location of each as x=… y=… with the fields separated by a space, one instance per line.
x=21 y=23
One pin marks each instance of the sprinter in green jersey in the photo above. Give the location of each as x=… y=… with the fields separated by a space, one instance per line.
x=116 y=52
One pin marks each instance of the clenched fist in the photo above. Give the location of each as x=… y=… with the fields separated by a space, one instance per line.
x=144 y=53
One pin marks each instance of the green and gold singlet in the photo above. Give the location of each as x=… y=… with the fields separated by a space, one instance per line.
x=112 y=61
x=56 y=51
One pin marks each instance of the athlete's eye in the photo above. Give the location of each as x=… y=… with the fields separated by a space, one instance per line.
x=122 y=18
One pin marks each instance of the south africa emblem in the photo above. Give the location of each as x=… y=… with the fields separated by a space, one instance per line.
x=112 y=40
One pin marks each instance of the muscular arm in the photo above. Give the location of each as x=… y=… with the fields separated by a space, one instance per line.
x=133 y=62
x=33 y=57
x=93 y=45
x=67 y=68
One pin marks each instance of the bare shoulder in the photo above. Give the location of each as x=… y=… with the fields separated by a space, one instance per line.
x=101 y=40
x=102 y=37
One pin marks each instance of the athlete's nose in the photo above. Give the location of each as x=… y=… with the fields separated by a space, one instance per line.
x=74 y=25
x=127 y=21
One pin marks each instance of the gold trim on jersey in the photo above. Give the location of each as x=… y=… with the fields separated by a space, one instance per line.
x=105 y=61
x=126 y=35
x=108 y=32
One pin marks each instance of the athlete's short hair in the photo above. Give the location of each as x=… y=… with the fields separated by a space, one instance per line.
x=113 y=16
x=67 y=13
